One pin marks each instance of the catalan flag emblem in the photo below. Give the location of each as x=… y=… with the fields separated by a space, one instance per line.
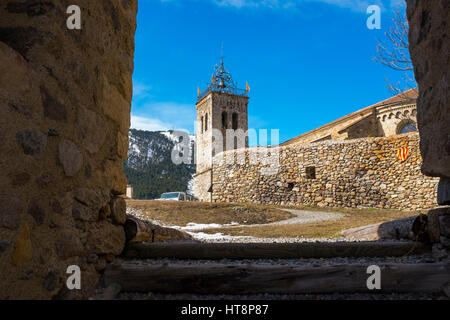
x=198 y=90
x=248 y=88
x=402 y=153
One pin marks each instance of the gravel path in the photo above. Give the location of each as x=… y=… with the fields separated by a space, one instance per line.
x=425 y=258
x=223 y=238
x=302 y=217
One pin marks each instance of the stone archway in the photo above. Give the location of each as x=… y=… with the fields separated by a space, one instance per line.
x=405 y=126
x=61 y=177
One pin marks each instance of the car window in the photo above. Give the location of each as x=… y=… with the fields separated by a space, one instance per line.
x=170 y=195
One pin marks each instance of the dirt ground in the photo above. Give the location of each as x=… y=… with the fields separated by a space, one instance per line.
x=324 y=229
x=180 y=213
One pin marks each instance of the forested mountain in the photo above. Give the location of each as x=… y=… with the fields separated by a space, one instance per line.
x=149 y=167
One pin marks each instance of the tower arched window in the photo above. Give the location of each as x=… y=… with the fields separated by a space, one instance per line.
x=206 y=122
x=201 y=125
x=224 y=120
x=235 y=120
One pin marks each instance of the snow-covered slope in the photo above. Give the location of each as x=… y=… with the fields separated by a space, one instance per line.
x=152 y=147
x=149 y=167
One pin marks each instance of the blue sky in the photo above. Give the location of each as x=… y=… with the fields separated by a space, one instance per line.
x=308 y=62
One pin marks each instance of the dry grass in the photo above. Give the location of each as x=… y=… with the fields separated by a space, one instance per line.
x=327 y=229
x=181 y=213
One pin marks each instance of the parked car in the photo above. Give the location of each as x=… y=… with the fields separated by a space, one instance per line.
x=177 y=196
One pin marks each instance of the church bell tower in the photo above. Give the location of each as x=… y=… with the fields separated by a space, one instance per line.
x=221 y=107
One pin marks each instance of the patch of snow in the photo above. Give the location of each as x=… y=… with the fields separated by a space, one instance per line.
x=190 y=186
x=170 y=136
x=218 y=237
x=200 y=226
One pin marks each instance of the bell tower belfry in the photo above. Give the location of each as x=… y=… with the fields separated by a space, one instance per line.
x=221 y=107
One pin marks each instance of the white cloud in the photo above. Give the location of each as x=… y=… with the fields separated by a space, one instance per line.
x=354 y=5
x=149 y=124
x=248 y=3
x=140 y=89
x=155 y=116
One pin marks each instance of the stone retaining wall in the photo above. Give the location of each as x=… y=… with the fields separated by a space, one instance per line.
x=355 y=173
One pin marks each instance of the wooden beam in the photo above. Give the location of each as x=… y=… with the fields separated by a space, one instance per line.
x=192 y=250
x=216 y=278
x=411 y=228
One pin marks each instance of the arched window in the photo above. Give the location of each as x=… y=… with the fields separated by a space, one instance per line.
x=201 y=125
x=235 y=120
x=408 y=127
x=224 y=120
x=206 y=122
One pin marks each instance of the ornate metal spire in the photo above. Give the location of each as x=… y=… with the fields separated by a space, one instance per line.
x=221 y=81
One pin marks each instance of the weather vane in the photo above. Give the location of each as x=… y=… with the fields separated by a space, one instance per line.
x=221 y=81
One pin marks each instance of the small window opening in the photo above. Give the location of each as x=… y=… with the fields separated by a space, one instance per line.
x=224 y=120
x=290 y=186
x=310 y=172
x=235 y=121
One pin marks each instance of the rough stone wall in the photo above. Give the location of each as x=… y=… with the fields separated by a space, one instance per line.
x=362 y=129
x=430 y=46
x=355 y=173
x=202 y=185
x=204 y=134
x=65 y=98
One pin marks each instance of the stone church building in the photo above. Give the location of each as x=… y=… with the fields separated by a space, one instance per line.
x=222 y=107
x=389 y=117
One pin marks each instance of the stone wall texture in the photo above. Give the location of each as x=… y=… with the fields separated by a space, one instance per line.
x=430 y=46
x=363 y=172
x=65 y=98
x=202 y=185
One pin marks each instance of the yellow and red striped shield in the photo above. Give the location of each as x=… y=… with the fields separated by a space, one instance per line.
x=402 y=153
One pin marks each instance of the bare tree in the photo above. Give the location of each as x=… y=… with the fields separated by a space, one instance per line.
x=393 y=52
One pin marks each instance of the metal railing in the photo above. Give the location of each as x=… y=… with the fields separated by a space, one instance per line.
x=229 y=90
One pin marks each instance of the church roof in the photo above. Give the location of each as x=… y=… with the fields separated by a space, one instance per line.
x=409 y=95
